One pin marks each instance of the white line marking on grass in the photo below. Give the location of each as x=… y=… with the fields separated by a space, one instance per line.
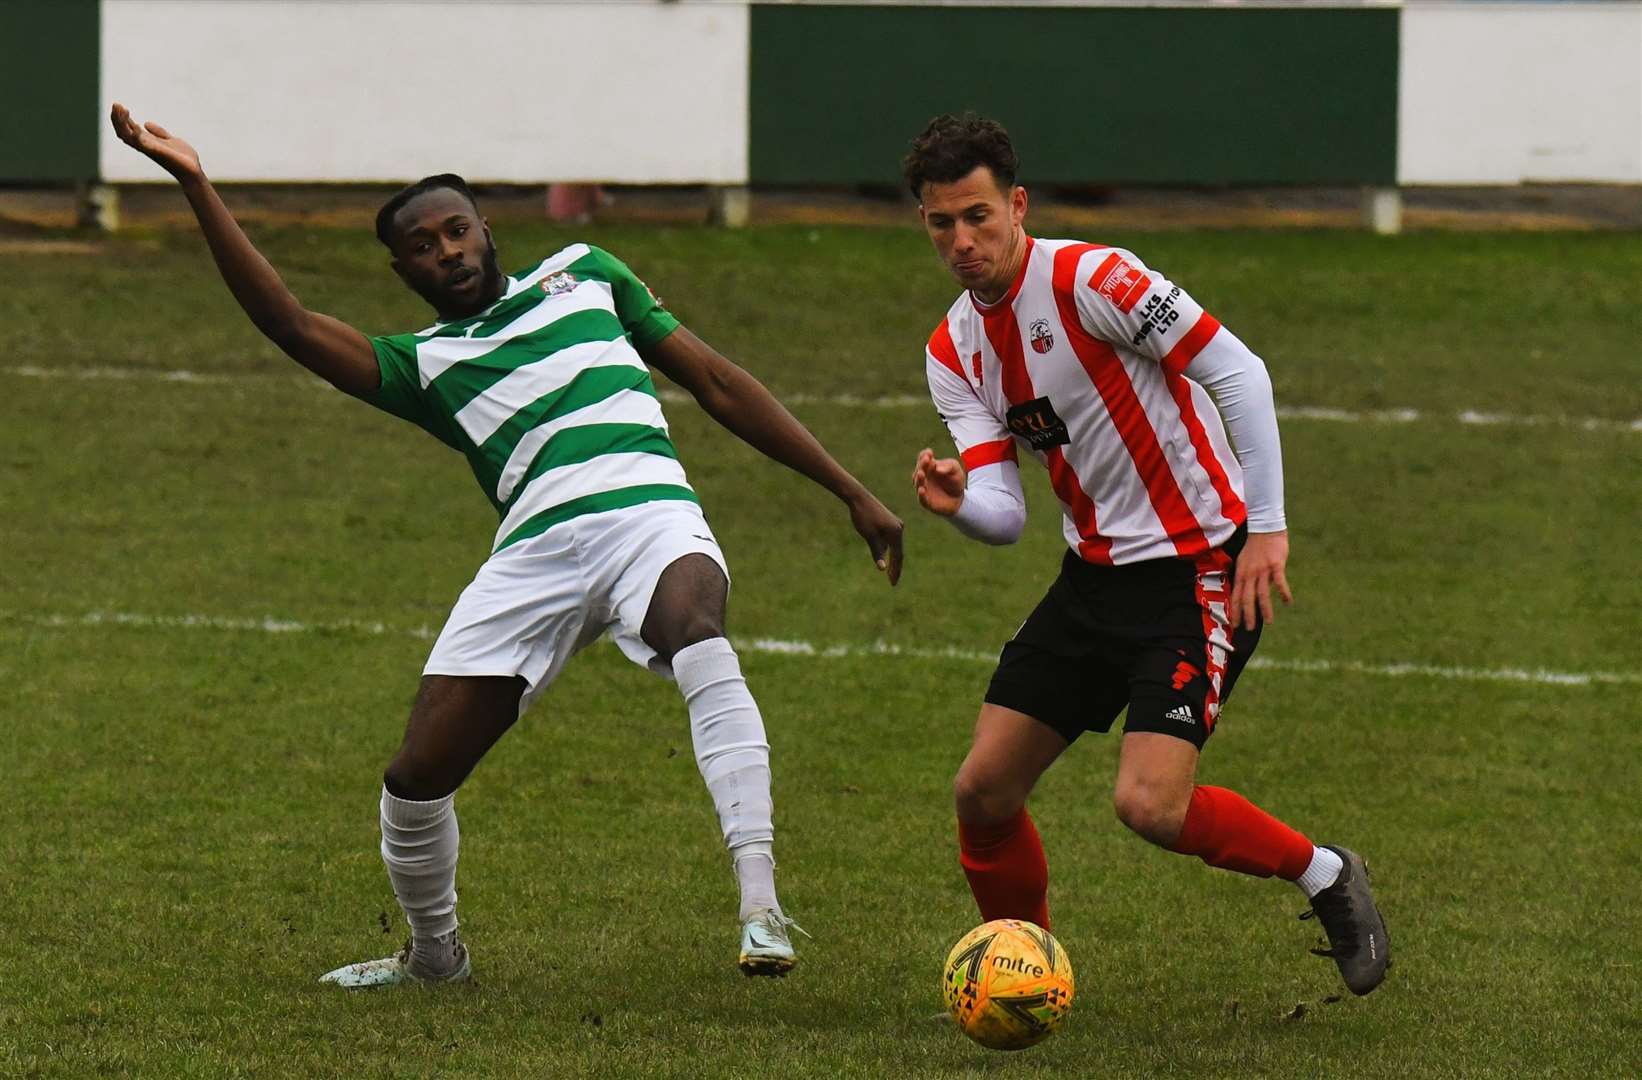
x=216 y=622
x=1469 y=417
x=787 y=647
x=117 y=374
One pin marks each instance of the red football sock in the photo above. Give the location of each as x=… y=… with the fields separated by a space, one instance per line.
x=1006 y=869
x=1226 y=830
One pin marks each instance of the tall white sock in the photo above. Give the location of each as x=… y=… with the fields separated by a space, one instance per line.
x=419 y=841
x=734 y=758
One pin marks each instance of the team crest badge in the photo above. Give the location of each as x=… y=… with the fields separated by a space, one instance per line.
x=1042 y=339
x=562 y=282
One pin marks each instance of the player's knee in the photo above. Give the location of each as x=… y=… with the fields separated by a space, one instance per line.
x=419 y=778
x=1150 y=812
x=983 y=800
x=692 y=629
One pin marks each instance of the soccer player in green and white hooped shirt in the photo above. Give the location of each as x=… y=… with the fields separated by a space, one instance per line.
x=540 y=380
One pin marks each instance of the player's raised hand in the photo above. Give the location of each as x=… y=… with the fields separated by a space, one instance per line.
x=882 y=531
x=169 y=152
x=939 y=483
x=1259 y=570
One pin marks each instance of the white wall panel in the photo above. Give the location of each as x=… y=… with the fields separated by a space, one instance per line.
x=1512 y=92
x=528 y=90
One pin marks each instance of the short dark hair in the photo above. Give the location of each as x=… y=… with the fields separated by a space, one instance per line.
x=952 y=146
x=384 y=216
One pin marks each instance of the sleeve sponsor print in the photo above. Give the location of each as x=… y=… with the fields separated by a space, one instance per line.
x=1120 y=281
x=1150 y=308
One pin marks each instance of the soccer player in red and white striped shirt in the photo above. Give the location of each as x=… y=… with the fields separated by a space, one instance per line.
x=1134 y=398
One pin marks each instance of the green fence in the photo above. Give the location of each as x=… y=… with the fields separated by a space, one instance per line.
x=1092 y=95
x=1130 y=95
x=49 y=84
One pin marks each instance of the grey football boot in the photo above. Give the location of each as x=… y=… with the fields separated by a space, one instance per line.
x=1358 y=941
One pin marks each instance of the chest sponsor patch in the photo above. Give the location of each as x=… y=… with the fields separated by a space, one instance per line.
x=1036 y=422
x=562 y=282
x=1121 y=283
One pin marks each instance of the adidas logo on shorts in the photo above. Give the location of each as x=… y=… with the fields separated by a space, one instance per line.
x=1183 y=713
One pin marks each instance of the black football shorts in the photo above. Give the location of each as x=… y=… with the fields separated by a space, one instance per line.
x=1152 y=636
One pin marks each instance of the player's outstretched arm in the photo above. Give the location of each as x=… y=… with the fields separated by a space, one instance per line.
x=741 y=403
x=328 y=347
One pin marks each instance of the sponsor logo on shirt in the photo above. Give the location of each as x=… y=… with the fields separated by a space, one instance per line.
x=1036 y=422
x=1042 y=339
x=562 y=282
x=1159 y=314
x=1120 y=283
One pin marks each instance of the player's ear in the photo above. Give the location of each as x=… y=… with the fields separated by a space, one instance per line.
x=1017 y=203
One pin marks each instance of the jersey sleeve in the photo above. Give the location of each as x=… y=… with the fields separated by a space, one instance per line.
x=401 y=392
x=641 y=314
x=401 y=389
x=994 y=507
x=980 y=434
x=1237 y=381
x=1123 y=301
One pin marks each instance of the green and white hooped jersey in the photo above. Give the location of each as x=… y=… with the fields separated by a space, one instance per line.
x=545 y=393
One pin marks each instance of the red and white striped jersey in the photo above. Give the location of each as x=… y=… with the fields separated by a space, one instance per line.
x=1082 y=363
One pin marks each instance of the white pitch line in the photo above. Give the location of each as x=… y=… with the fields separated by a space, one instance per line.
x=216 y=622
x=163 y=375
x=1469 y=417
x=786 y=647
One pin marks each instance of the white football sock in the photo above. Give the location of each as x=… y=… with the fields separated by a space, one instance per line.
x=419 y=841
x=755 y=873
x=1323 y=871
x=734 y=758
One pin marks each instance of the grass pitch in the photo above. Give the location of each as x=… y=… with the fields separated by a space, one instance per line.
x=190 y=838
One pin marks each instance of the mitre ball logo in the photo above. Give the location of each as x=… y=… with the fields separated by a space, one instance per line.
x=1042 y=339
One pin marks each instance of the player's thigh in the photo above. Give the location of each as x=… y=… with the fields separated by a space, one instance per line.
x=645 y=549
x=455 y=721
x=687 y=605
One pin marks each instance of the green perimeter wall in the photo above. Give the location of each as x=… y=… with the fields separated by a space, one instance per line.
x=1123 y=95
x=49 y=84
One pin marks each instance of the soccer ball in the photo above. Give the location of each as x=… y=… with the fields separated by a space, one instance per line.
x=1008 y=984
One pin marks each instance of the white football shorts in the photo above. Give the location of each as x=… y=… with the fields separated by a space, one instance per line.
x=536 y=603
